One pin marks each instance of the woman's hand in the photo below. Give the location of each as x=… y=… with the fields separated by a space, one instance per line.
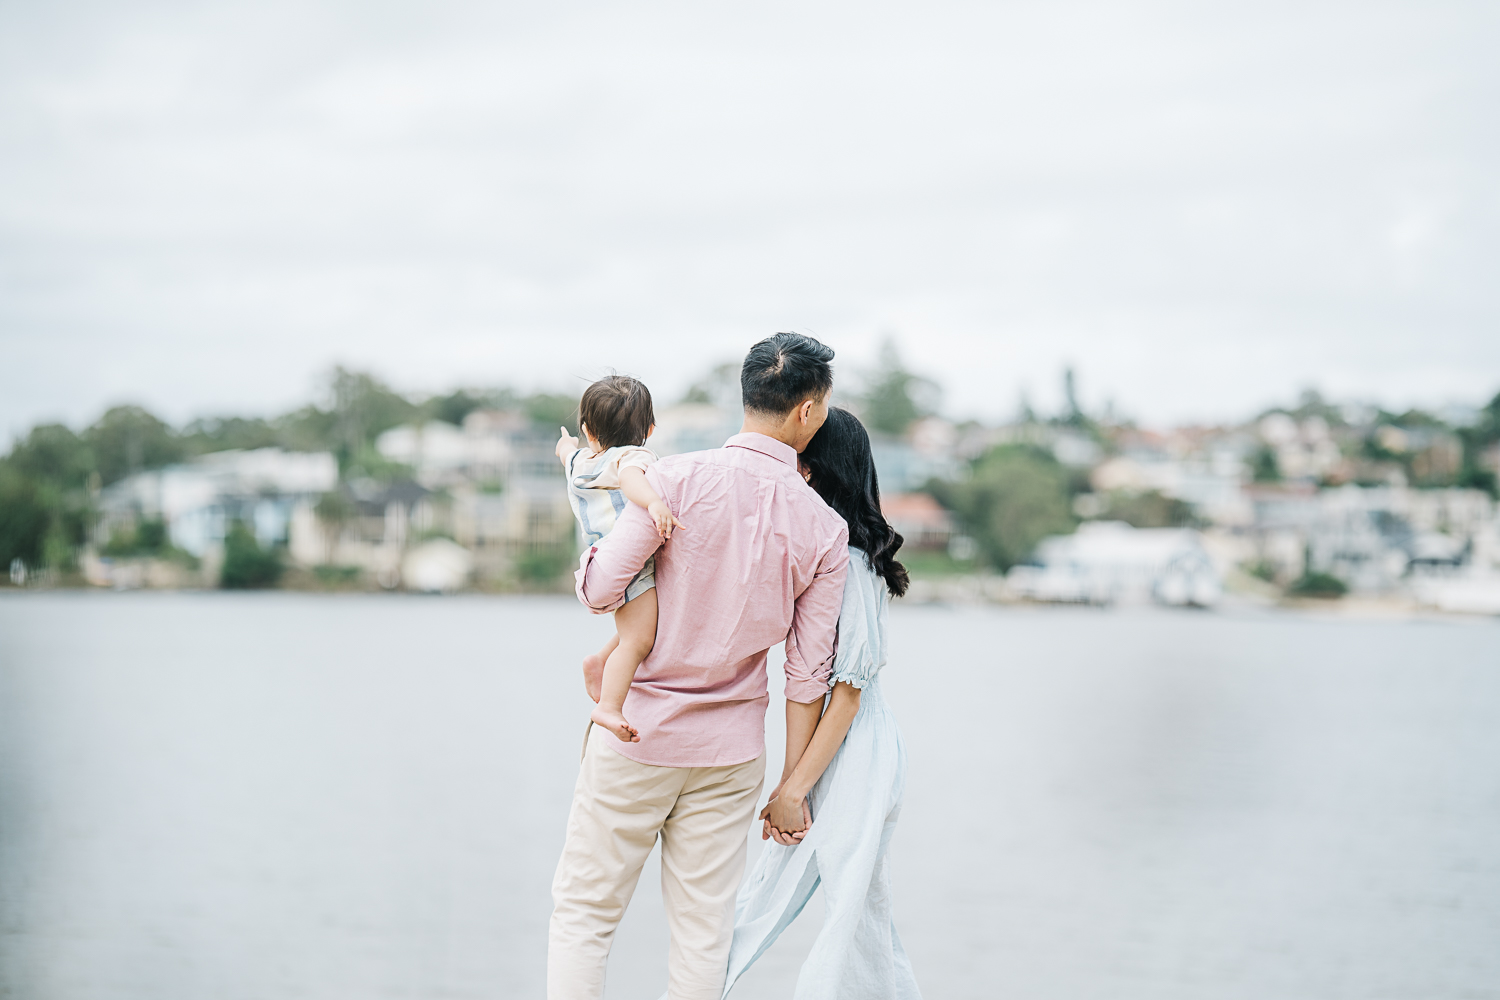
x=769 y=832
x=566 y=445
x=786 y=819
x=662 y=515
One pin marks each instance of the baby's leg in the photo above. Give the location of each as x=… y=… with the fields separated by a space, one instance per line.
x=636 y=625
x=593 y=668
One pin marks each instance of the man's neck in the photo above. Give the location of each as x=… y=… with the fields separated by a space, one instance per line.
x=780 y=431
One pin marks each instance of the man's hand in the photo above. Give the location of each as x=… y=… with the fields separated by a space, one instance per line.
x=662 y=515
x=566 y=445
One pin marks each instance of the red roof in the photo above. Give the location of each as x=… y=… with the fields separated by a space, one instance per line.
x=917 y=509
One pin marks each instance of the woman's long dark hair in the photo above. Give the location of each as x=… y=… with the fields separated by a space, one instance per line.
x=843 y=473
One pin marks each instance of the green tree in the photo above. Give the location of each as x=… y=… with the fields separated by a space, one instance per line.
x=1321 y=585
x=1312 y=404
x=1264 y=468
x=455 y=406
x=550 y=410
x=894 y=398
x=44 y=504
x=248 y=566
x=1015 y=496
x=334 y=509
x=308 y=429
x=1073 y=415
x=210 y=434
x=363 y=407
x=53 y=454
x=1484 y=434
x=149 y=537
x=129 y=439
x=720 y=386
x=25 y=517
x=544 y=564
x=1150 y=509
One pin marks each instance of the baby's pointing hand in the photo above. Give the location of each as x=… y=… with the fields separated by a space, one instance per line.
x=662 y=515
x=566 y=445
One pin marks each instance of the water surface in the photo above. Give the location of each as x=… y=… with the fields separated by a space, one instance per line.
x=281 y=796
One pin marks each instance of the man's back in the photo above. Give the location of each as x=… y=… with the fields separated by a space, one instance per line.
x=761 y=558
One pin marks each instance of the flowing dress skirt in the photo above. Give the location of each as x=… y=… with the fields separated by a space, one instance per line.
x=858 y=954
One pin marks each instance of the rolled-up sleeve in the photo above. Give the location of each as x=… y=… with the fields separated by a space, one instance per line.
x=606 y=569
x=812 y=640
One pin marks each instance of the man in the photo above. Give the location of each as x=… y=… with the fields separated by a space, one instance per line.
x=761 y=559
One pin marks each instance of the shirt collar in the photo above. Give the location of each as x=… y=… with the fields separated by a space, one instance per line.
x=765 y=445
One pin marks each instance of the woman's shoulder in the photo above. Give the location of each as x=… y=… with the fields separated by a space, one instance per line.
x=859 y=561
x=862 y=576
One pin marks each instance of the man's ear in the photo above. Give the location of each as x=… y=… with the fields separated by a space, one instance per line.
x=804 y=412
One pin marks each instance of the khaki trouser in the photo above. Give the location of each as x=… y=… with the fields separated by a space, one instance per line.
x=620 y=807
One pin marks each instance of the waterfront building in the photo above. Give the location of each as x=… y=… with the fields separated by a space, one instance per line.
x=199 y=499
x=1109 y=562
x=920 y=519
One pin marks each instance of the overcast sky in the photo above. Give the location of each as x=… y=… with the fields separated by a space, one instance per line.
x=204 y=207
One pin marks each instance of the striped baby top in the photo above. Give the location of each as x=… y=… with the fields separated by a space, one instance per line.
x=594 y=486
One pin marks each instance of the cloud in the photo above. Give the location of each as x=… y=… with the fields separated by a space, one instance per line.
x=202 y=206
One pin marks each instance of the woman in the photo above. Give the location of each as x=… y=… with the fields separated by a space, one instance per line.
x=851 y=774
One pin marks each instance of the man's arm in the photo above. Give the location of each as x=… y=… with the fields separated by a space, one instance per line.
x=608 y=569
x=786 y=816
x=810 y=645
x=815 y=626
x=801 y=723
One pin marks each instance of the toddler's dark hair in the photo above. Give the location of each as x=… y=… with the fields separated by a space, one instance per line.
x=617 y=409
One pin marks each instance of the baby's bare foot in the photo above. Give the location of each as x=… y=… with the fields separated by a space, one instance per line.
x=615 y=723
x=593 y=675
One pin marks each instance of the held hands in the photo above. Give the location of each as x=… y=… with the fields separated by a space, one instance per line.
x=664 y=518
x=786 y=818
x=566 y=445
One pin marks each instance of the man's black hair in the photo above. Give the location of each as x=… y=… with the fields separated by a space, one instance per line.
x=783 y=370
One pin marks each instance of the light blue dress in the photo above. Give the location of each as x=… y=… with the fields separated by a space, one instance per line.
x=854 y=806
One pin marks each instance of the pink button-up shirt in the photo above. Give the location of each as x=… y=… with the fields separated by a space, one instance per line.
x=762 y=558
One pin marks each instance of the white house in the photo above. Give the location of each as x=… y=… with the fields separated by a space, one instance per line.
x=198 y=500
x=1107 y=562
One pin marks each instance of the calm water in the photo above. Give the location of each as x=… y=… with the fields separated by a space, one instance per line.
x=285 y=796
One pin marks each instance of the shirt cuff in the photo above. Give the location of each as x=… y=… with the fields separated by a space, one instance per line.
x=804 y=690
x=580 y=576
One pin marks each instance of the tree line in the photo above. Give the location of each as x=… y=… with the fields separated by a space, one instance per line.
x=50 y=479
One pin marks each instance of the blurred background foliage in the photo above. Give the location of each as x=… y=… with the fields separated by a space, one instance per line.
x=1005 y=493
x=895 y=398
x=51 y=478
x=1015 y=495
x=247 y=564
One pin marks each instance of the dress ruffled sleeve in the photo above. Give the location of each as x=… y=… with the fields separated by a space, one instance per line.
x=861 y=651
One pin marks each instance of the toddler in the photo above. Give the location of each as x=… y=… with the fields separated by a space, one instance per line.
x=615 y=418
